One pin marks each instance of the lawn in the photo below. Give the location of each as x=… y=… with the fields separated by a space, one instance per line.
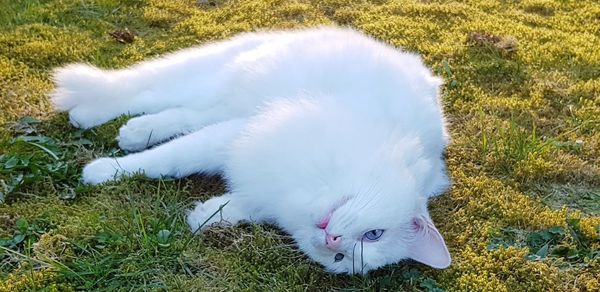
x=522 y=96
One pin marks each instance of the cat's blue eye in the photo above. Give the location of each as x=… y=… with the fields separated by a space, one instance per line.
x=373 y=235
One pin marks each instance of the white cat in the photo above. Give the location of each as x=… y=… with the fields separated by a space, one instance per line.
x=333 y=136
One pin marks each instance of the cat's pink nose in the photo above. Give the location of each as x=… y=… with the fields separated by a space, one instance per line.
x=333 y=242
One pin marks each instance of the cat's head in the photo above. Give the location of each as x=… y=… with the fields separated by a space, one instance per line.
x=358 y=235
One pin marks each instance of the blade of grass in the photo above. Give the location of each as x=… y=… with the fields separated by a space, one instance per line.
x=53 y=263
x=44 y=149
x=204 y=223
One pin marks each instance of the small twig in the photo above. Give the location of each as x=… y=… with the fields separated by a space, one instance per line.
x=149 y=137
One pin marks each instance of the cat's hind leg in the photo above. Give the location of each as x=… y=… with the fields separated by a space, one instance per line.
x=224 y=210
x=203 y=151
x=142 y=132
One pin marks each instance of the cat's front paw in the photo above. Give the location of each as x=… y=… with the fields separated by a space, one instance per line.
x=101 y=170
x=217 y=210
x=137 y=135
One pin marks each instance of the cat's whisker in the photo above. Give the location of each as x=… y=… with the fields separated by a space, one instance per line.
x=362 y=265
x=369 y=190
x=353 y=257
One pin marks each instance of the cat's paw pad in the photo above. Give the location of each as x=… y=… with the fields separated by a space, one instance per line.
x=101 y=170
x=136 y=135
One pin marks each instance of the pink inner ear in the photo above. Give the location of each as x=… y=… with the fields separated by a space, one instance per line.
x=325 y=221
x=429 y=246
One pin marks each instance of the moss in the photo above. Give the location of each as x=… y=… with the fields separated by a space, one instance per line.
x=55 y=247
x=524 y=159
x=22 y=91
x=33 y=280
x=45 y=45
x=248 y=16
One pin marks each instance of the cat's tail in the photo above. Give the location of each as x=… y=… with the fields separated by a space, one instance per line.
x=93 y=96
x=78 y=84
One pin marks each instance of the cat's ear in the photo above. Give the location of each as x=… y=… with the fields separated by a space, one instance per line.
x=428 y=246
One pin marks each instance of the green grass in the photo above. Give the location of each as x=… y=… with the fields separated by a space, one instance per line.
x=522 y=96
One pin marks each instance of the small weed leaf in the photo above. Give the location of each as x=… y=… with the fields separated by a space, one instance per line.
x=570 y=243
x=543 y=252
x=24 y=126
x=30 y=161
x=446 y=71
x=541 y=241
x=11 y=162
x=103 y=239
x=37 y=138
x=430 y=285
x=6 y=242
x=575 y=231
x=163 y=238
x=574 y=147
x=29 y=120
x=411 y=274
x=81 y=142
x=18 y=238
x=47 y=144
x=22 y=225
x=556 y=230
x=26 y=231
x=7 y=188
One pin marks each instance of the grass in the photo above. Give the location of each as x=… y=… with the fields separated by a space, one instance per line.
x=522 y=96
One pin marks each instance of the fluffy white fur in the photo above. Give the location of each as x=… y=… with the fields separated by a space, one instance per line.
x=315 y=127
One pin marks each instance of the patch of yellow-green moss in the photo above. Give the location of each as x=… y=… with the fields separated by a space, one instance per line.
x=227 y=20
x=33 y=280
